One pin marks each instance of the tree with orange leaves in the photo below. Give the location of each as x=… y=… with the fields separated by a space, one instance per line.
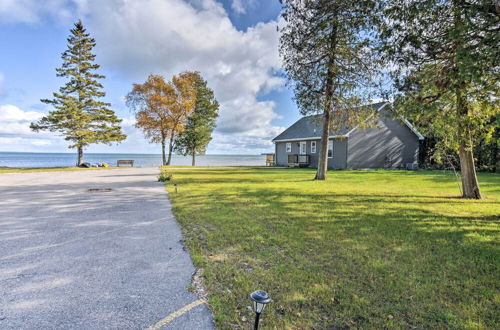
x=162 y=107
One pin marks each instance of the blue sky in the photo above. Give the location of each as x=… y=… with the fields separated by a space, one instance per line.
x=233 y=43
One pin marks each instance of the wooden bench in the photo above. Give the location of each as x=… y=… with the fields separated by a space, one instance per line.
x=124 y=162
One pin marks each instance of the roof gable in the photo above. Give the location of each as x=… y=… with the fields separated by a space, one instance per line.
x=404 y=120
x=311 y=127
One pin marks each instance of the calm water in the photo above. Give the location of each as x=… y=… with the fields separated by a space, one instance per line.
x=28 y=159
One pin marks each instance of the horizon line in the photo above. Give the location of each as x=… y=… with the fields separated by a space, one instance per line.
x=119 y=153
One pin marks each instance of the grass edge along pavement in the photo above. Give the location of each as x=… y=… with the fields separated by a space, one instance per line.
x=365 y=249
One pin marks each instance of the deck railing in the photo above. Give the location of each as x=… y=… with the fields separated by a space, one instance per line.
x=299 y=160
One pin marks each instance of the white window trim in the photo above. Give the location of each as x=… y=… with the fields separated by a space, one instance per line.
x=328 y=149
x=288 y=147
x=313 y=147
x=303 y=143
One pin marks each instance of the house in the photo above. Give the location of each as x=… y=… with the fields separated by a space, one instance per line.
x=392 y=143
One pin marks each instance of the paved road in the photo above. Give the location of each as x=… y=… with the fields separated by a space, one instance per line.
x=73 y=259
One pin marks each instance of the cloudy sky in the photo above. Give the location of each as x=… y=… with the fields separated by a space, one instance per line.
x=233 y=43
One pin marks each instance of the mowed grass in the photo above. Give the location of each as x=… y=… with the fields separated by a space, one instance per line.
x=51 y=169
x=365 y=249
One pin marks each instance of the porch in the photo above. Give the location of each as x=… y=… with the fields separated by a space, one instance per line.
x=295 y=160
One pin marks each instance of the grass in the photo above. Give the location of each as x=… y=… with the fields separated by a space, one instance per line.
x=365 y=249
x=50 y=169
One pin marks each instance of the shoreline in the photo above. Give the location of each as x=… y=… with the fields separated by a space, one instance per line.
x=49 y=160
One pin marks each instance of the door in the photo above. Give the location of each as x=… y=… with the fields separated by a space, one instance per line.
x=302 y=149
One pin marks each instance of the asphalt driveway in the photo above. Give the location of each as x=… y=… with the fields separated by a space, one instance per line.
x=74 y=259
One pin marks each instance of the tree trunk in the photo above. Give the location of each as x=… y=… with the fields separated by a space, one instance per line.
x=164 y=160
x=170 y=147
x=470 y=185
x=323 y=153
x=79 y=161
x=323 y=150
x=193 y=160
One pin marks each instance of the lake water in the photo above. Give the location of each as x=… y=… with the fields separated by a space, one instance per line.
x=32 y=159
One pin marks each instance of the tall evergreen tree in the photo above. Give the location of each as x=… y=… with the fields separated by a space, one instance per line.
x=328 y=55
x=78 y=113
x=200 y=124
x=446 y=56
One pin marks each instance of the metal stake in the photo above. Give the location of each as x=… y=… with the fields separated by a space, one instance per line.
x=256 y=324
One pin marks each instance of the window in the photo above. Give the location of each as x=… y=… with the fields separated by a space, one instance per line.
x=313 y=147
x=302 y=149
x=330 y=148
x=288 y=147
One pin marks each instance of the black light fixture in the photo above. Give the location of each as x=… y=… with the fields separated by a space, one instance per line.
x=260 y=300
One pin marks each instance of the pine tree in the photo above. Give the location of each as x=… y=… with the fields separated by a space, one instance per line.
x=78 y=113
x=327 y=47
x=200 y=124
x=446 y=55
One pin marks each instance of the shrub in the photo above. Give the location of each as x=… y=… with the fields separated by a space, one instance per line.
x=164 y=176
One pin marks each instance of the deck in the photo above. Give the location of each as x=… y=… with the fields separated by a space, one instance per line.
x=295 y=160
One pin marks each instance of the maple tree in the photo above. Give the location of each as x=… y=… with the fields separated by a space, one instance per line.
x=162 y=107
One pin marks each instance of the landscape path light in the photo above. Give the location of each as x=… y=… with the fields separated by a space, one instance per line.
x=260 y=300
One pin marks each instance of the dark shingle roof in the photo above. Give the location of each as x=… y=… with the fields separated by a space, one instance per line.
x=311 y=126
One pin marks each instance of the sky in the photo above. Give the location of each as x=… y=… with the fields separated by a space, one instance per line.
x=233 y=43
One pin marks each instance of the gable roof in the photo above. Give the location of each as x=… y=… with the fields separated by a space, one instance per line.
x=413 y=129
x=310 y=127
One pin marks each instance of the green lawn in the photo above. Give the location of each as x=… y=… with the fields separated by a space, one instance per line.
x=365 y=249
x=49 y=169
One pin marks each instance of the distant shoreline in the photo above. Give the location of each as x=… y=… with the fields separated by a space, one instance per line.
x=114 y=153
x=54 y=159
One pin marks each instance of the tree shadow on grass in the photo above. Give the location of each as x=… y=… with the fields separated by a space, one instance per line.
x=363 y=256
x=262 y=175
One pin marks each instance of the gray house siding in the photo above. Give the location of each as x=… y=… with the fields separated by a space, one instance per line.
x=339 y=160
x=313 y=157
x=281 y=154
x=389 y=145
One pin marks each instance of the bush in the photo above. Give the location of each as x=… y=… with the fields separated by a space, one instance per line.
x=164 y=176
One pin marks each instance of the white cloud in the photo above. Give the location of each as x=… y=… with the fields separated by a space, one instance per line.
x=9 y=142
x=136 y=38
x=15 y=133
x=240 y=6
x=31 y=11
x=11 y=113
x=167 y=37
x=128 y=122
x=15 y=122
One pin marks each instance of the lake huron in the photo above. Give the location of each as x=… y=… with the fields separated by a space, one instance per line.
x=33 y=159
